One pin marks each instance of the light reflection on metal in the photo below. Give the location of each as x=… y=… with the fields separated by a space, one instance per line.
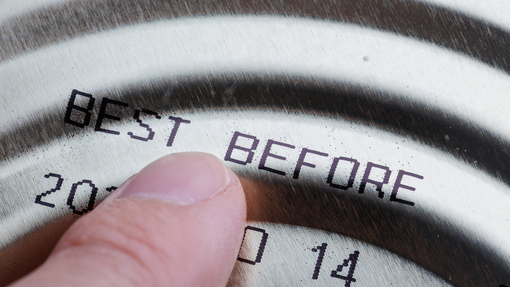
x=382 y=121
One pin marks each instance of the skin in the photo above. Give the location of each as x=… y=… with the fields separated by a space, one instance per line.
x=179 y=222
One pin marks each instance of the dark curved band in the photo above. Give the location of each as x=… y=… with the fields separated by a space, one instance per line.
x=443 y=27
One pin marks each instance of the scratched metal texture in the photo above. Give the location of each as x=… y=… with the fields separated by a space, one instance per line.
x=444 y=247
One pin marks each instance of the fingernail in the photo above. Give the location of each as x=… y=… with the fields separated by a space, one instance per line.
x=182 y=178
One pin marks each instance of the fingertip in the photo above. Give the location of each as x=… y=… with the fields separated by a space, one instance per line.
x=181 y=178
x=162 y=239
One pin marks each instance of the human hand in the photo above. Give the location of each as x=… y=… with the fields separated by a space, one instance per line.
x=178 y=222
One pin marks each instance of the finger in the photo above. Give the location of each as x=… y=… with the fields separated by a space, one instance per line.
x=179 y=222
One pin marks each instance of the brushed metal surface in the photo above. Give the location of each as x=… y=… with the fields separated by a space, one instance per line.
x=407 y=98
x=291 y=255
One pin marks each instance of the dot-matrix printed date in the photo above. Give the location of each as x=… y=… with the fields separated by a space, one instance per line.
x=72 y=194
x=263 y=236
